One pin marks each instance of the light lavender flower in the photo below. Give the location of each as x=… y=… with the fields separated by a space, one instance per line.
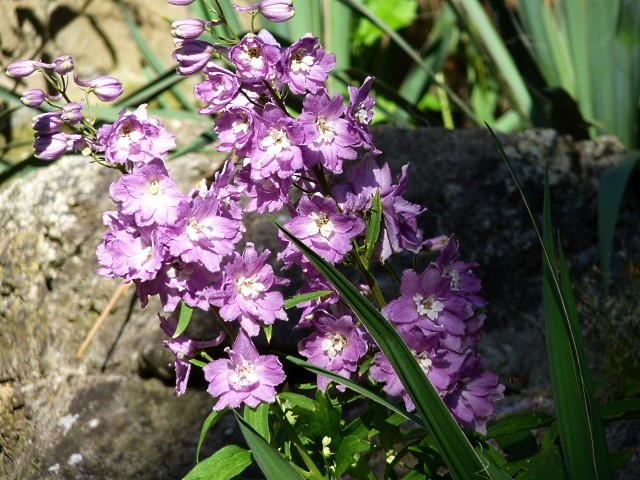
x=63 y=64
x=306 y=66
x=51 y=146
x=188 y=28
x=106 y=88
x=335 y=345
x=265 y=195
x=256 y=57
x=192 y=56
x=47 y=123
x=71 y=113
x=24 y=68
x=217 y=91
x=246 y=377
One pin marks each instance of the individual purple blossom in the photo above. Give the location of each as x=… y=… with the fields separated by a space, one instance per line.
x=314 y=281
x=47 y=123
x=51 y=146
x=149 y=195
x=246 y=377
x=217 y=91
x=277 y=11
x=33 y=98
x=24 y=68
x=335 y=345
x=63 y=64
x=188 y=28
x=235 y=129
x=256 y=57
x=359 y=112
x=320 y=225
x=265 y=195
x=135 y=138
x=181 y=3
x=106 y=88
x=329 y=139
x=277 y=141
x=247 y=291
x=427 y=305
x=71 y=113
x=306 y=66
x=472 y=400
x=192 y=56
x=183 y=348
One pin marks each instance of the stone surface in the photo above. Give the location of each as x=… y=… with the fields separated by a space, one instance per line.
x=115 y=406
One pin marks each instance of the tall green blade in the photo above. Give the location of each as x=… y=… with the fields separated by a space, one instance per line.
x=457 y=453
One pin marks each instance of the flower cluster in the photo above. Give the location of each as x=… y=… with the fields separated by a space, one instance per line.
x=319 y=166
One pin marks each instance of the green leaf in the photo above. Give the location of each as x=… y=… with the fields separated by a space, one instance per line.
x=185 y=317
x=350 y=446
x=225 y=464
x=295 y=400
x=546 y=465
x=272 y=464
x=462 y=461
x=372 y=232
x=623 y=409
x=305 y=297
x=208 y=423
x=258 y=418
x=612 y=186
x=397 y=15
x=517 y=422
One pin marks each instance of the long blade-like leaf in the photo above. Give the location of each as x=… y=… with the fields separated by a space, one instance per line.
x=458 y=454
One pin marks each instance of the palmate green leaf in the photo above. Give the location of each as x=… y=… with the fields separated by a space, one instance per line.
x=272 y=464
x=225 y=464
x=613 y=182
x=458 y=454
x=305 y=297
x=183 y=321
x=213 y=417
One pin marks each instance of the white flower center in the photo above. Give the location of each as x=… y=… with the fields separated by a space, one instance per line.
x=333 y=344
x=321 y=224
x=454 y=275
x=428 y=306
x=423 y=360
x=301 y=62
x=361 y=115
x=194 y=229
x=252 y=56
x=276 y=142
x=244 y=375
x=240 y=126
x=326 y=131
x=249 y=287
x=154 y=187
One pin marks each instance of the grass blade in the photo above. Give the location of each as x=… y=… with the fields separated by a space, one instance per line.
x=458 y=454
x=225 y=464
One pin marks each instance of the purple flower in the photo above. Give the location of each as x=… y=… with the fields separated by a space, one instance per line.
x=427 y=305
x=180 y=3
x=217 y=91
x=278 y=137
x=265 y=195
x=306 y=66
x=51 y=146
x=188 y=28
x=183 y=348
x=33 y=98
x=329 y=138
x=63 y=64
x=360 y=112
x=135 y=138
x=335 y=345
x=235 y=129
x=276 y=10
x=47 y=123
x=72 y=113
x=192 y=56
x=247 y=296
x=24 y=68
x=320 y=226
x=149 y=195
x=104 y=87
x=246 y=377
x=256 y=57
x=471 y=401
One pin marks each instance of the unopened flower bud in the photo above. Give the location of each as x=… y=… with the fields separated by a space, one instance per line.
x=63 y=64
x=277 y=10
x=51 y=146
x=188 y=28
x=47 y=123
x=192 y=56
x=24 y=68
x=72 y=113
x=33 y=98
x=180 y=2
x=104 y=87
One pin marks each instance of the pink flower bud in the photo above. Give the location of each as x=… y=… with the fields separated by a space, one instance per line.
x=188 y=28
x=33 y=98
x=24 y=68
x=277 y=10
x=104 y=87
x=63 y=64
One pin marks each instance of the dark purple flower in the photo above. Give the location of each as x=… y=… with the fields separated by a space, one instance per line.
x=321 y=226
x=104 y=87
x=306 y=66
x=217 y=91
x=256 y=57
x=135 y=138
x=192 y=56
x=248 y=295
x=360 y=112
x=183 y=348
x=149 y=194
x=329 y=139
x=246 y=377
x=335 y=345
